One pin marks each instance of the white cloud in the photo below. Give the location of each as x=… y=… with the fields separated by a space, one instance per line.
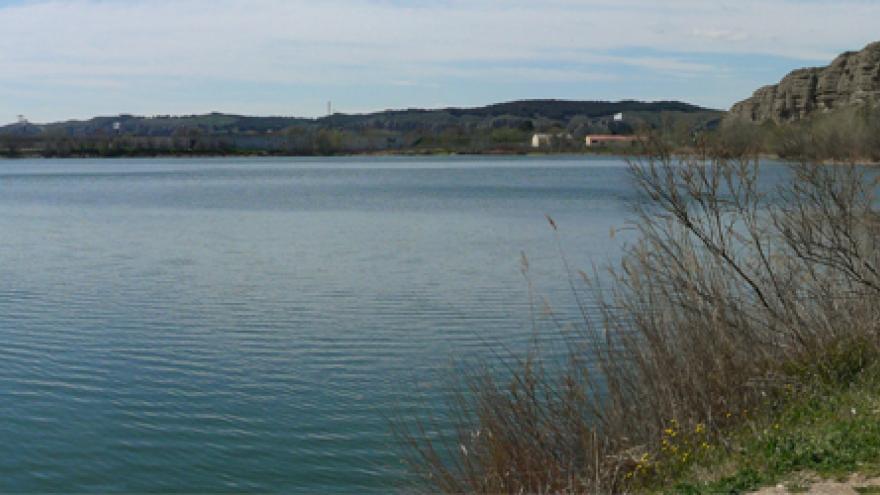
x=721 y=34
x=281 y=39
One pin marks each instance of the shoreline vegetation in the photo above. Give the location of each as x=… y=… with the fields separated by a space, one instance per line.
x=737 y=345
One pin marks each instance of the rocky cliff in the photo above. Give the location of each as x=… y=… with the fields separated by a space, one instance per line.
x=853 y=78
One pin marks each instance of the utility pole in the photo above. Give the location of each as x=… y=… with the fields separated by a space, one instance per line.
x=329 y=108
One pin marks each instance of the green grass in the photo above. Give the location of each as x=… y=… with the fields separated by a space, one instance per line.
x=830 y=431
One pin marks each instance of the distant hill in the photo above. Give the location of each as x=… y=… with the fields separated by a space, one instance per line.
x=546 y=112
x=851 y=80
x=500 y=127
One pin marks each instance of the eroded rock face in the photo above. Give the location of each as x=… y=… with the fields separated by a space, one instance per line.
x=853 y=78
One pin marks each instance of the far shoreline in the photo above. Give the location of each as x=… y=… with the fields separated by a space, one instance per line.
x=605 y=152
x=36 y=156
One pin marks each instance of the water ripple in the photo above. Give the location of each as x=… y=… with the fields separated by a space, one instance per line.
x=246 y=325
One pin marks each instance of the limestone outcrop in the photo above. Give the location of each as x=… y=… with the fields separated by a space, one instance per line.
x=853 y=78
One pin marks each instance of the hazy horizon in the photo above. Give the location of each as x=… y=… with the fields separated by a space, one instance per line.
x=76 y=59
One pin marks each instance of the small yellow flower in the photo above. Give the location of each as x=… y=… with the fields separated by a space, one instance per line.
x=700 y=428
x=705 y=446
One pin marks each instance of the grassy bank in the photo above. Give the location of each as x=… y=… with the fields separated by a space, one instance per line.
x=826 y=431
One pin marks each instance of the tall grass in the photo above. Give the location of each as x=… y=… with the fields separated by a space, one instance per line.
x=732 y=295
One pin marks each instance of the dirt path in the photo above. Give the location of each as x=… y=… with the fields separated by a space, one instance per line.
x=811 y=484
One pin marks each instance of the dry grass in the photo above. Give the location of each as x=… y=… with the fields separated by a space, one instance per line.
x=731 y=297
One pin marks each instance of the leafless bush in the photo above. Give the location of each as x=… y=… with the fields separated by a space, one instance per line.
x=732 y=291
x=848 y=134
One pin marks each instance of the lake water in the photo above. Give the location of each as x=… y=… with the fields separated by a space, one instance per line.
x=225 y=325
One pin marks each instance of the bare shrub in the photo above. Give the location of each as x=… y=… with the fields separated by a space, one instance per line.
x=845 y=135
x=739 y=138
x=732 y=291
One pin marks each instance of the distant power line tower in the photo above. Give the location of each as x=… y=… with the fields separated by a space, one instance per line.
x=329 y=108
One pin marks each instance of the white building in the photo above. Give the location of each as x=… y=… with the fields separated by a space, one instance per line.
x=541 y=140
x=548 y=140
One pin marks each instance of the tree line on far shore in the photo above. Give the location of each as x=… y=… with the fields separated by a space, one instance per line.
x=502 y=128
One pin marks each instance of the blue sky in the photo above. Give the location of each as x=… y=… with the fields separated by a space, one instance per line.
x=62 y=59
